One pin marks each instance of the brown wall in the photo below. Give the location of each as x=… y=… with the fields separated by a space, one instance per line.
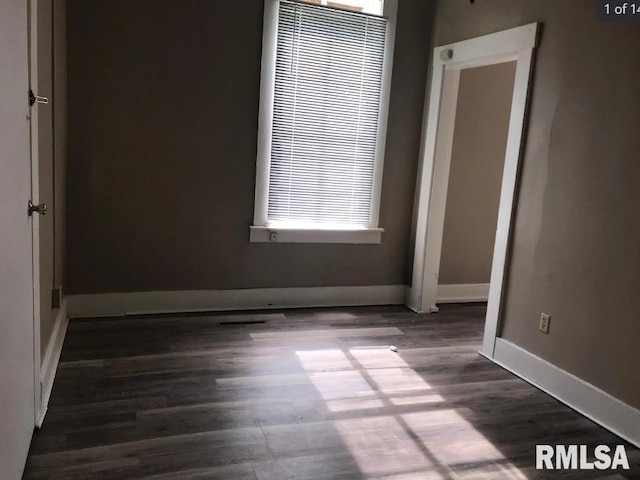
x=475 y=178
x=576 y=248
x=162 y=152
x=51 y=156
x=60 y=133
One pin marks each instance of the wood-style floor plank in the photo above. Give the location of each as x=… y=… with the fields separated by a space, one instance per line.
x=311 y=394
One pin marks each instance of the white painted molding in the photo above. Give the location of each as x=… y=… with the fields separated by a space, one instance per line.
x=514 y=44
x=51 y=359
x=115 y=304
x=465 y=293
x=265 y=113
x=390 y=11
x=409 y=301
x=301 y=235
x=590 y=401
x=439 y=189
x=489 y=49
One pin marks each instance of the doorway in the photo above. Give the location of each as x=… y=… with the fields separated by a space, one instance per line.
x=449 y=62
x=475 y=176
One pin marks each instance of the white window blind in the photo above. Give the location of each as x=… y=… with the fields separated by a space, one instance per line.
x=329 y=67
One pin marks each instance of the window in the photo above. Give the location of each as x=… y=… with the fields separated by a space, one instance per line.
x=362 y=6
x=326 y=71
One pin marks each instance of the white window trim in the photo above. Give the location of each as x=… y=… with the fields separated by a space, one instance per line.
x=261 y=231
x=315 y=235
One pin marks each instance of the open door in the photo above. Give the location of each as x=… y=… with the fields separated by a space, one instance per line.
x=17 y=369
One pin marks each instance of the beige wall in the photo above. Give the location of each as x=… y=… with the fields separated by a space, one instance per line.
x=576 y=251
x=51 y=156
x=60 y=133
x=162 y=152
x=477 y=160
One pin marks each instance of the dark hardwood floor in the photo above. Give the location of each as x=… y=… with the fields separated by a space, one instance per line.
x=306 y=395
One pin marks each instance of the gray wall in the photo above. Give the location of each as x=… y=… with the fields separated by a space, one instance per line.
x=51 y=156
x=477 y=160
x=576 y=251
x=162 y=152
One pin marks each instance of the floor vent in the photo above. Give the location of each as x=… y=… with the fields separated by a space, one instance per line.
x=243 y=322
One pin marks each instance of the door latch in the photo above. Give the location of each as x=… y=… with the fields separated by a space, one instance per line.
x=41 y=209
x=33 y=98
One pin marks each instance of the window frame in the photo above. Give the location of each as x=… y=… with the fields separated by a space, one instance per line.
x=261 y=231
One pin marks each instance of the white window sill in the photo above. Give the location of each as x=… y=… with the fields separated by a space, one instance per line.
x=305 y=235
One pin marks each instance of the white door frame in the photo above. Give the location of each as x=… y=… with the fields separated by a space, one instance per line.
x=35 y=198
x=514 y=44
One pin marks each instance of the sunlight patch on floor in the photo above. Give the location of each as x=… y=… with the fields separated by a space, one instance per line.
x=408 y=446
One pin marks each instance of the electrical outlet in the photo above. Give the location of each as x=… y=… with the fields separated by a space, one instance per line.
x=273 y=236
x=545 y=320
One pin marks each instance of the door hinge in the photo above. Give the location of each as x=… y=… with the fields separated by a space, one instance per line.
x=41 y=209
x=33 y=98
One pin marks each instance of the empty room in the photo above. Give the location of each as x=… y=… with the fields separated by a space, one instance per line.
x=319 y=240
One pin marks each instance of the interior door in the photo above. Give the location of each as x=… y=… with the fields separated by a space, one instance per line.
x=16 y=274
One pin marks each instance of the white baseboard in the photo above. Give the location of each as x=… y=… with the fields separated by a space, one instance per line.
x=115 y=304
x=52 y=357
x=590 y=401
x=466 y=293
